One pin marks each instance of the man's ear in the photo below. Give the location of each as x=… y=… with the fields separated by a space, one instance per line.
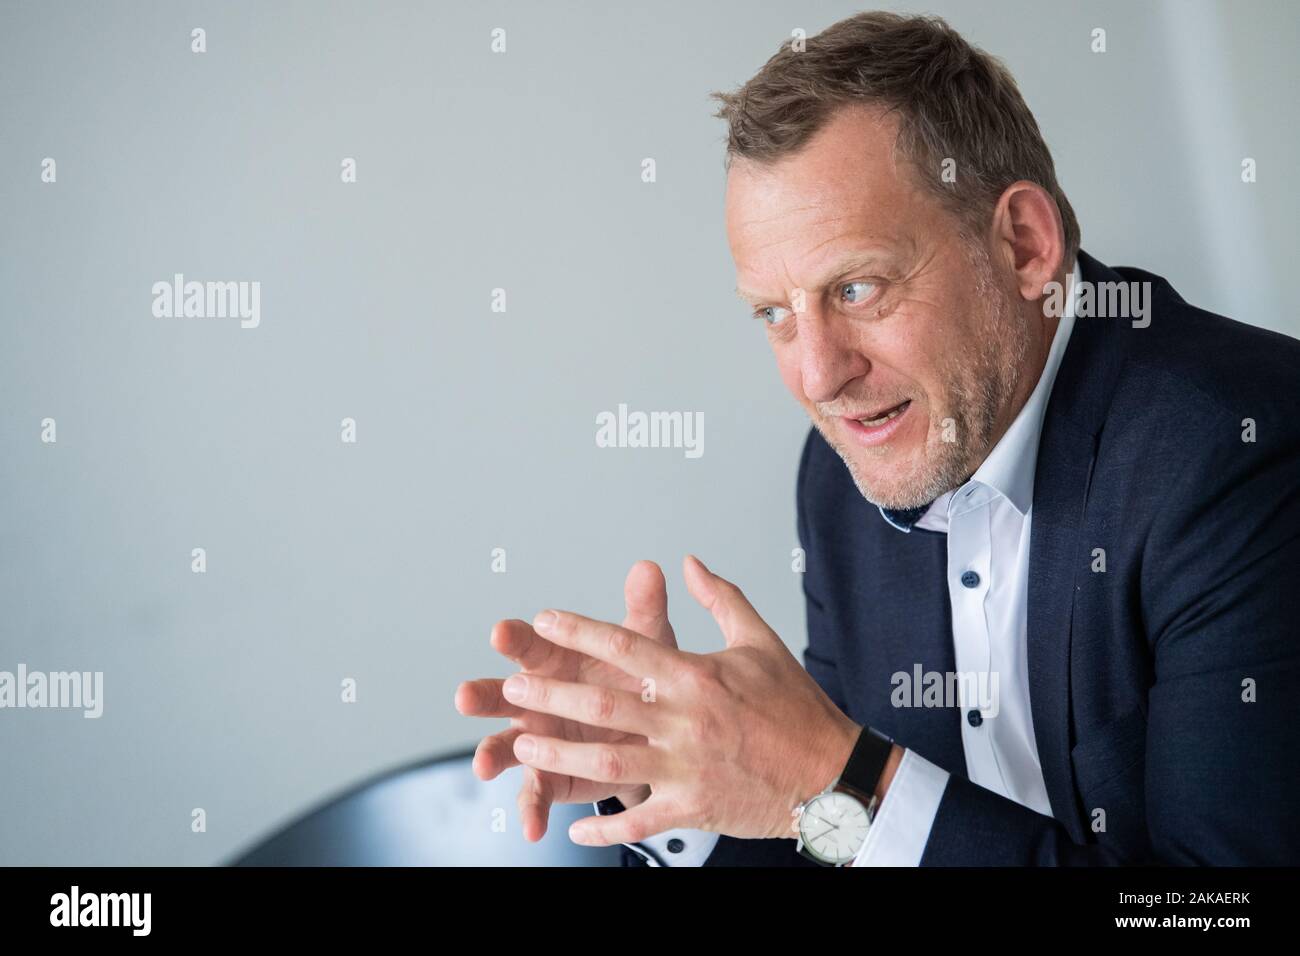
x=1027 y=225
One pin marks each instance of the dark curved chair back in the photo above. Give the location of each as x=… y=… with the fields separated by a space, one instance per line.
x=434 y=813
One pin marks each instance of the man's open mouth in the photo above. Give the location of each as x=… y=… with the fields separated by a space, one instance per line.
x=879 y=418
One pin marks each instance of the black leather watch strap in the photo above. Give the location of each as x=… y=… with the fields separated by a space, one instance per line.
x=634 y=854
x=609 y=806
x=866 y=763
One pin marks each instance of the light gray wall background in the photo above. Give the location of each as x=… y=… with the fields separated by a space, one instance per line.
x=475 y=429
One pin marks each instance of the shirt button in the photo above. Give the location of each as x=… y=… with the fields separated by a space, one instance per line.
x=675 y=845
x=970 y=579
x=974 y=718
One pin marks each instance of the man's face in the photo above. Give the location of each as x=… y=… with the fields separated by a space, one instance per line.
x=901 y=342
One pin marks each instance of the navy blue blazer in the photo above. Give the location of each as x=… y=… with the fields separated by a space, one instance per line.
x=1165 y=690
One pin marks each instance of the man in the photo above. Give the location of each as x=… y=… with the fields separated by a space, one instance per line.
x=1120 y=686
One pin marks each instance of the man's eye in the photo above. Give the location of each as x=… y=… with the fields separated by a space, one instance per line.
x=772 y=314
x=857 y=291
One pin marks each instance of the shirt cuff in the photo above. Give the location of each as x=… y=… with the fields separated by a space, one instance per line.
x=692 y=848
x=901 y=828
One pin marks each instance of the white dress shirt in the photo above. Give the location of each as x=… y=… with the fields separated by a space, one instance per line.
x=987 y=521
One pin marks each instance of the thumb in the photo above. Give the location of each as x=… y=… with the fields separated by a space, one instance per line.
x=646 y=594
x=739 y=622
x=631 y=826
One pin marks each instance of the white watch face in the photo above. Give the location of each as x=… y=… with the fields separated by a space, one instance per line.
x=834 y=826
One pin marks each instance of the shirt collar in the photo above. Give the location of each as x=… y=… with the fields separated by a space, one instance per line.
x=1010 y=467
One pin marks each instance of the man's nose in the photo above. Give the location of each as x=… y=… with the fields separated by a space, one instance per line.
x=828 y=361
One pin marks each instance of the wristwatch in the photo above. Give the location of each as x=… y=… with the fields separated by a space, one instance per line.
x=833 y=824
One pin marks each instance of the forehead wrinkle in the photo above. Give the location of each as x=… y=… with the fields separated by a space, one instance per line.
x=779 y=216
x=849 y=213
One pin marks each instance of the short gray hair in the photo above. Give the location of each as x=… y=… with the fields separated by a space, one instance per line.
x=953 y=99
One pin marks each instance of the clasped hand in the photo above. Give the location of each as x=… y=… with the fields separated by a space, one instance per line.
x=729 y=742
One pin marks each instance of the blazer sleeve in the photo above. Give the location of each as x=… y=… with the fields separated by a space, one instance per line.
x=819 y=655
x=1221 y=607
x=733 y=851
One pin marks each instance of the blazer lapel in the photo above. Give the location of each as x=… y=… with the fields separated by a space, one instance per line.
x=1060 y=491
x=1067 y=450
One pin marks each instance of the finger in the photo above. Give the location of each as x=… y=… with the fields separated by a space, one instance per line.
x=646 y=595
x=586 y=703
x=535 y=798
x=631 y=826
x=736 y=617
x=518 y=641
x=482 y=698
x=633 y=653
x=495 y=754
x=603 y=762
